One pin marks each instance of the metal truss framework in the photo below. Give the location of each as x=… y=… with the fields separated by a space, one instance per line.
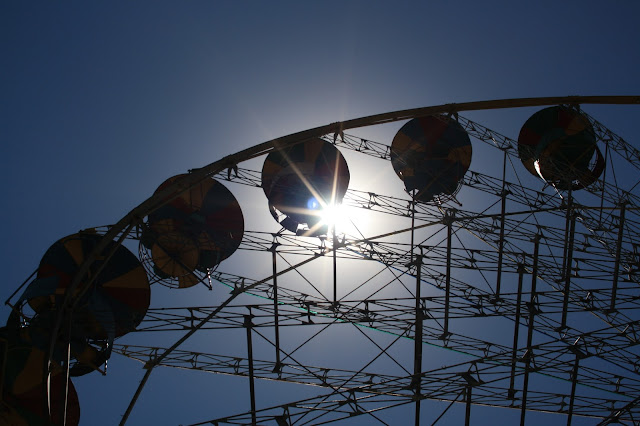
x=601 y=244
x=559 y=270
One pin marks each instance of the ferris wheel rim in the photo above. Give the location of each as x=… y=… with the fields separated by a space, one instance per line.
x=127 y=223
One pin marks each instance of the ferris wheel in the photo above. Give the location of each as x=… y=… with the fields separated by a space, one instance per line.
x=444 y=274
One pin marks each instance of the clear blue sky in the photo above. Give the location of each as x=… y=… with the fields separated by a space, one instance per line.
x=102 y=101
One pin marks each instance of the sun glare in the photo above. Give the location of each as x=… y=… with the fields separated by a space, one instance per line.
x=337 y=216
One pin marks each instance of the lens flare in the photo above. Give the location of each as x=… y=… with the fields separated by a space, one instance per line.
x=313 y=204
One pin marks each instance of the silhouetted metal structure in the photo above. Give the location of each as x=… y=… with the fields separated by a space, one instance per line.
x=521 y=267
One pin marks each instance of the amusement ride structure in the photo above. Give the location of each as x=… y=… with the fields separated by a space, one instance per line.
x=498 y=271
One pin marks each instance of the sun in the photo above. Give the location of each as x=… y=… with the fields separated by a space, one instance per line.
x=336 y=217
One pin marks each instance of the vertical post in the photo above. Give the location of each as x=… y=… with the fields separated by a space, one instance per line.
x=604 y=179
x=574 y=381
x=514 y=351
x=275 y=306
x=335 y=268
x=252 y=391
x=449 y=218
x=616 y=270
x=416 y=381
x=567 y=227
x=502 y=215
x=412 y=206
x=417 y=356
x=567 y=270
x=467 y=414
x=532 y=313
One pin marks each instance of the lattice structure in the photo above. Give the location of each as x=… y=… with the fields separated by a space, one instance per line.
x=508 y=294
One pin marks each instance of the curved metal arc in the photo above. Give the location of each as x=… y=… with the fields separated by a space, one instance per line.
x=197 y=175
